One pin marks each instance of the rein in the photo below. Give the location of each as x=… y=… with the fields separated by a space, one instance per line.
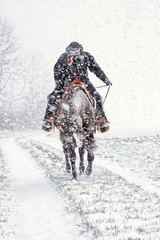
x=106 y=95
x=101 y=86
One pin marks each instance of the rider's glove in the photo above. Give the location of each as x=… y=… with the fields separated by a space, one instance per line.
x=107 y=82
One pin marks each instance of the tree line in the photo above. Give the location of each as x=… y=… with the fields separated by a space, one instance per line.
x=24 y=83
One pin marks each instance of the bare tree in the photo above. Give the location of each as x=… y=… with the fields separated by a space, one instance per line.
x=24 y=83
x=9 y=60
x=26 y=111
x=37 y=79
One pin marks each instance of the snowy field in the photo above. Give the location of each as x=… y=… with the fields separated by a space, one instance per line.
x=121 y=199
x=40 y=201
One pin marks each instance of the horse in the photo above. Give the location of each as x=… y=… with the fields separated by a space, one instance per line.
x=76 y=120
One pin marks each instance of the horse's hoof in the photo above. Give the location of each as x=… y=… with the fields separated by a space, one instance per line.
x=74 y=174
x=68 y=168
x=88 y=171
x=81 y=171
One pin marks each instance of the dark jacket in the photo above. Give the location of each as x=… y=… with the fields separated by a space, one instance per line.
x=65 y=70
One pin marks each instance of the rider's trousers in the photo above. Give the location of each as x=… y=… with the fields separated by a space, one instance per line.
x=55 y=97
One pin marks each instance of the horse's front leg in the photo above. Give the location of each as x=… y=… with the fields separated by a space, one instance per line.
x=81 y=155
x=73 y=162
x=66 y=151
x=69 y=151
x=90 y=158
x=68 y=166
x=70 y=157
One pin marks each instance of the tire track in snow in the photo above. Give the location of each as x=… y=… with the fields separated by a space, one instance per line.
x=131 y=177
x=135 y=159
x=103 y=160
x=109 y=205
x=41 y=211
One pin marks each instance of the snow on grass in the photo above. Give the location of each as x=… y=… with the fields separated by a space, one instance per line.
x=40 y=212
x=6 y=200
x=110 y=207
x=136 y=159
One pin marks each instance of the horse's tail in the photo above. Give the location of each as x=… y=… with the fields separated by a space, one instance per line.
x=78 y=139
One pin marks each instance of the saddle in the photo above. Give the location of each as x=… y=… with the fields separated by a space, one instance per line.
x=100 y=121
x=101 y=125
x=83 y=86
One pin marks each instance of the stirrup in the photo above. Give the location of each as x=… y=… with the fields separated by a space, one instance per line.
x=46 y=129
x=99 y=126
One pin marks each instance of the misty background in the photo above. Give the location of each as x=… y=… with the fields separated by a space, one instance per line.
x=122 y=35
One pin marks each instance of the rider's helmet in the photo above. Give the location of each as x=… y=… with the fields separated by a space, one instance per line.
x=75 y=51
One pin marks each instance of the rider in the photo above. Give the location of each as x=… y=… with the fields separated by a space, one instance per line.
x=75 y=63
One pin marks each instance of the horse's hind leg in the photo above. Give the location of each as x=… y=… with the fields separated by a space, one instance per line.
x=68 y=166
x=70 y=155
x=81 y=155
x=73 y=162
x=90 y=158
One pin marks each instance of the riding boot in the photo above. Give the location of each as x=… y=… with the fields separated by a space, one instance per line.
x=48 y=125
x=103 y=116
x=102 y=122
x=49 y=112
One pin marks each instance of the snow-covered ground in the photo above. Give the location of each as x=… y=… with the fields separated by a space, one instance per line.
x=121 y=200
x=33 y=210
x=39 y=200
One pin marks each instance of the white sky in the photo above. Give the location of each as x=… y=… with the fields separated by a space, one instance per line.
x=123 y=36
